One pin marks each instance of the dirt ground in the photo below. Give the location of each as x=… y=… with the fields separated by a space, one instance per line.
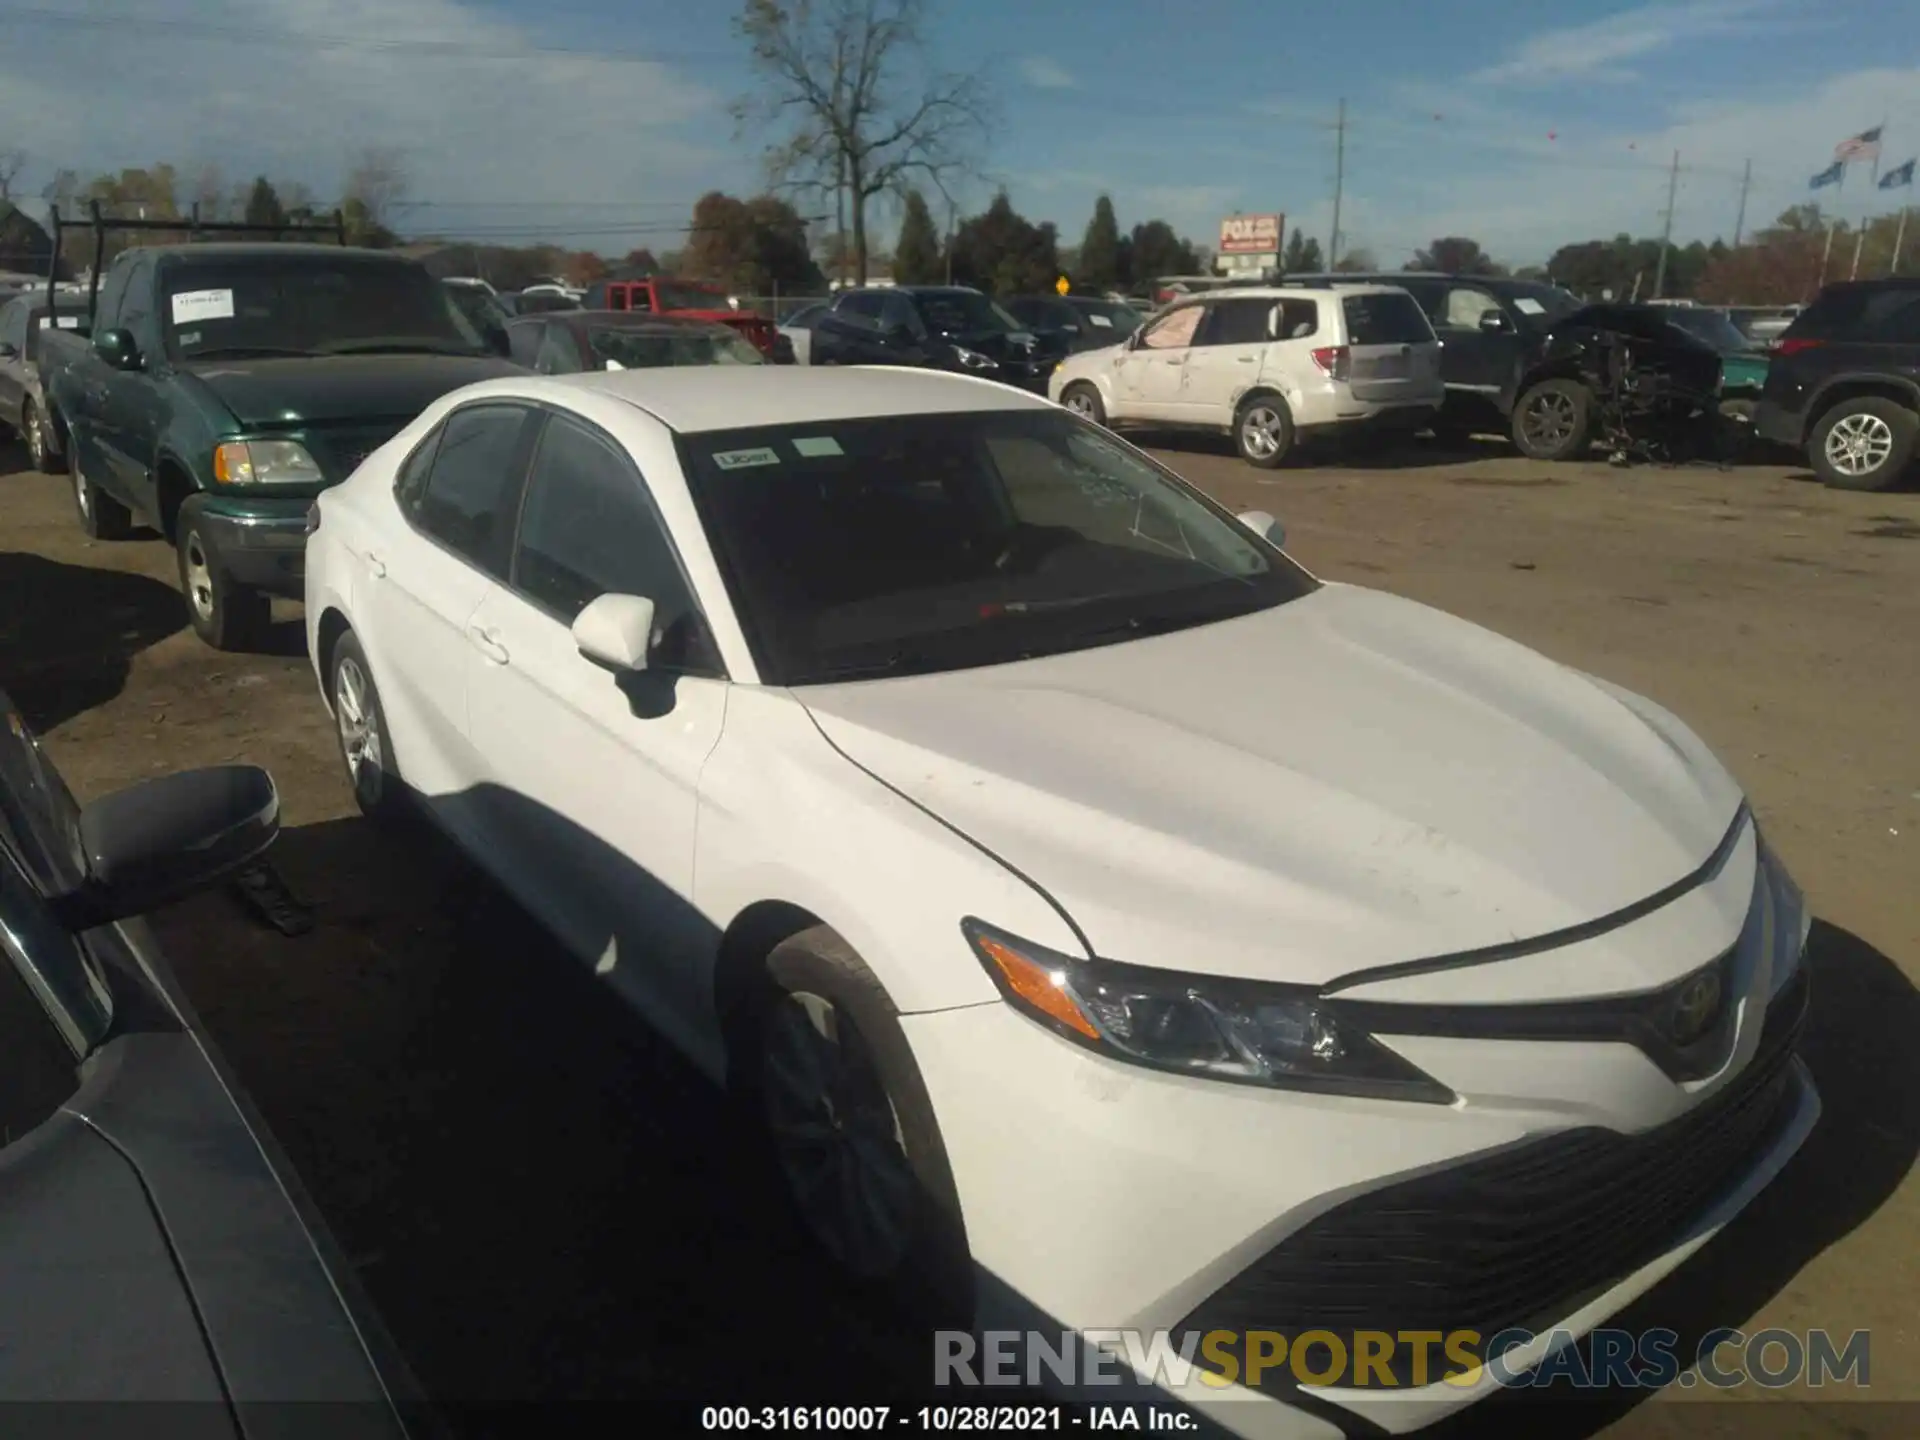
x=530 y=1186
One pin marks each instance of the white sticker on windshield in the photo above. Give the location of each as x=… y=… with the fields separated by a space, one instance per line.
x=1529 y=307
x=813 y=446
x=191 y=305
x=744 y=459
x=1102 y=321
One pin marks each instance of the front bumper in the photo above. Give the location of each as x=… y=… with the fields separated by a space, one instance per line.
x=1383 y=419
x=260 y=543
x=1567 y=1179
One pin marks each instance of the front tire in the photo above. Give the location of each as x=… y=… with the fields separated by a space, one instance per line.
x=1084 y=400
x=39 y=437
x=360 y=723
x=101 y=516
x=848 y=1129
x=223 y=612
x=1864 y=443
x=1553 y=420
x=1263 y=431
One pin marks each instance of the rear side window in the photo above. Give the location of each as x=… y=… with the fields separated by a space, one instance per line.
x=1298 y=320
x=1389 y=318
x=1859 y=313
x=1237 y=322
x=471 y=491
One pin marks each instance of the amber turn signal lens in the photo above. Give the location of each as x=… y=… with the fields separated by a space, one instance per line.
x=1036 y=985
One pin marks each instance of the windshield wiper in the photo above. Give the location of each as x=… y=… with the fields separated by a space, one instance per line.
x=894 y=662
x=248 y=352
x=398 y=347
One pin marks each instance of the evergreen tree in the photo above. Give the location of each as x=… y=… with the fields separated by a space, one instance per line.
x=263 y=204
x=917 y=258
x=1099 y=264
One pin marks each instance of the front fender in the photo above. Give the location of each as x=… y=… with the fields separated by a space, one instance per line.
x=785 y=816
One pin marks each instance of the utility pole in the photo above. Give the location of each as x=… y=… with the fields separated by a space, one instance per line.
x=1740 y=220
x=1899 y=241
x=1666 y=233
x=840 y=220
x=1339 y=183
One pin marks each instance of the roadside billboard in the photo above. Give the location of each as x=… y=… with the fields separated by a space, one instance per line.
x=1252 y=234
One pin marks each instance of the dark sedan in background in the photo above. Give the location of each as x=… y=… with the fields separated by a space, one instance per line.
x=935 y=327
x=23 y=404
x=154 y=1245
x=1075 y=322
x=568 y=342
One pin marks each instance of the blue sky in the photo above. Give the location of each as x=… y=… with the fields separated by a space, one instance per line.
x=1523 y=125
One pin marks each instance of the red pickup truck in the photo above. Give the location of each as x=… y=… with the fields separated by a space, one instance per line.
x=686 y=298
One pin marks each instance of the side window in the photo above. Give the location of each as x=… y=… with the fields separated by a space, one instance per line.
x=1893 y=316
x=523 y=339
x=861 y=308
x=589 y=529
x=1298 y=319
x=1173 y=330
x=113 y=287
x=1236 y=322
x=897 y=310
x=1465 y=305
x=470 y=491
x=410 y=482
x=13 y=325
x=136 y=305
x=557 y=355
x=639 y=297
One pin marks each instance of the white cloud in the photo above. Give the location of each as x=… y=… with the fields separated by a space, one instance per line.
x=1598 y=49
x=1046 y=74
x=479 y=115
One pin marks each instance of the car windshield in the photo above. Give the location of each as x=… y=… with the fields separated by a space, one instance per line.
x=654 y=349
x=310 y=306
x=912 y=543
x=673 y=295
x=482 y=311
x=958 y=312
x=1105 y=315
x=1542 y=305
x=1711 y=326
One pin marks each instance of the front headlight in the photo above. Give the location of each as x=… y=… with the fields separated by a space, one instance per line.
x=265 y=462
x=973 y=359
x=1247 y=1031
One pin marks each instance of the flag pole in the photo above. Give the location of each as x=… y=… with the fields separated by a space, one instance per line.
x=1866 y=206
x=1899 y=241
x=1833 y=221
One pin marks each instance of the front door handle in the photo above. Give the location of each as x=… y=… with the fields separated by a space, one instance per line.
x=1244 y=359
x=487 y=643
x=377 y=566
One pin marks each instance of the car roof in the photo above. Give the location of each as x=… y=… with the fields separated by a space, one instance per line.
x=1293 y=292
x=624 y=320
x=695 y=398
x=268 y=250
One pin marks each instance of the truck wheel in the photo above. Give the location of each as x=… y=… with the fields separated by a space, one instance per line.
x=39 y=437
x=1553 y=420
x=847 y=1130
x=101 y=516
x=225 y=614
x=1863 y=443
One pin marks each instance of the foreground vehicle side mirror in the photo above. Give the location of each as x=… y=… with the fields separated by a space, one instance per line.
x=165 y=839
x=118 y=349
x=1265 y=526
x=616 y=631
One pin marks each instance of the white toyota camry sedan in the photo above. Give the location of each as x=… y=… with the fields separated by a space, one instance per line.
x=1113 y=927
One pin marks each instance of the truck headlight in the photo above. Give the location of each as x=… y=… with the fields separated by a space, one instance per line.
x=265 y=462
x=1257 y=1033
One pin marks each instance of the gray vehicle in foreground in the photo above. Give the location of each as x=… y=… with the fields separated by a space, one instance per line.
x=23 y=403
x=154 y=1246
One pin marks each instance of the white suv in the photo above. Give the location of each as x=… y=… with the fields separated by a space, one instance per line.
x=1267 y=366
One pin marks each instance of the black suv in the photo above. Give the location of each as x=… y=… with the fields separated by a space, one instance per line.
x=936 y=327
x=1492 y=332
x=1844 y=384
x=1075 y=322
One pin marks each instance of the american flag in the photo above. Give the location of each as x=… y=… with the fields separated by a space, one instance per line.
x=1864 y=146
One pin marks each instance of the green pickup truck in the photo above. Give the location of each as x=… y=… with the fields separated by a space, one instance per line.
x=216 y=388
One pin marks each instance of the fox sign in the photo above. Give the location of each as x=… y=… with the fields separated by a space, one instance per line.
x=1252 y=234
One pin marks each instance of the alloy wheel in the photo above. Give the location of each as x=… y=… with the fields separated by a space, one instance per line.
x=1081 y=404
x=1549 y=419
x=1263 y=431
x=837 y=1136
x=359 y=730
x=1859 y=444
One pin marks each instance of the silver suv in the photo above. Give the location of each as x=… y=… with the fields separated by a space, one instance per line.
x=1267 y=366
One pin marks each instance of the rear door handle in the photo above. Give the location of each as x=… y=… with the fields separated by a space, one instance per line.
x=377 y=566
x=487 y=643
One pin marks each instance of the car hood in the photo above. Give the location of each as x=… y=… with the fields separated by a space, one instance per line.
x=293 y=391
x=1346 y=781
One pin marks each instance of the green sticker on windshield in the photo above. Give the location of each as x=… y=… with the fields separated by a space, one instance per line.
x=744 y=459
x=814 y=446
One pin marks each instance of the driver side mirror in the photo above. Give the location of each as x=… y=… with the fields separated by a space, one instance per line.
x=165 y=839
x=616 y=631
x=118 y=349
x=1494 y=322
x=1265 y=526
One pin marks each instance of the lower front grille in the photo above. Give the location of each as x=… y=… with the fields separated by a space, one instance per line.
x=1520 y=1237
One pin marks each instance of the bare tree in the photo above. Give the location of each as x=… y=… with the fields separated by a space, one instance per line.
x=12 y=162
x=865 y=114
x=378 y=180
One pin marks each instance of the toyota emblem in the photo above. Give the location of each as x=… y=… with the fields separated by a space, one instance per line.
x=1695 y=1008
